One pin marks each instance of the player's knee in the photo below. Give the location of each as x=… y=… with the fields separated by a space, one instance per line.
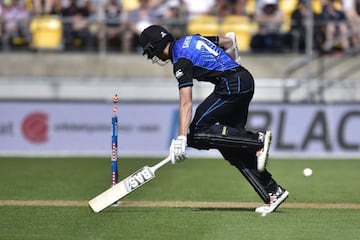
x=201 y=137
x=198 y=141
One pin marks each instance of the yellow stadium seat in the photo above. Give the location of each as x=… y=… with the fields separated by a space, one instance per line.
x=129 y=5
x=286 y=26
x=288 y=7
x=29 y=5
x=46 y=32
x=338 y=5
x=205 y=25
x=317 y=6
x=250 y=7
x=243 y=29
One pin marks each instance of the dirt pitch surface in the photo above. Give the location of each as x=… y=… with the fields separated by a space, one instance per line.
x=174 y=204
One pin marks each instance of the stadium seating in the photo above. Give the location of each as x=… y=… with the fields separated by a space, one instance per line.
x=129 y=5
x=243 y=29
x=287 y=6
x=206 y=25
x=46 y=32
x=250 y=7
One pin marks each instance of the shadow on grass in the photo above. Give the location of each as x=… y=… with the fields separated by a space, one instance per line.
x=226 y=209
x=146 y=209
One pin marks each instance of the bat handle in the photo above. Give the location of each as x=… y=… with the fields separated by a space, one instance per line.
x=160 y=164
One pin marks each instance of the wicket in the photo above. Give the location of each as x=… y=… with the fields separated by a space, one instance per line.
x=114 y=143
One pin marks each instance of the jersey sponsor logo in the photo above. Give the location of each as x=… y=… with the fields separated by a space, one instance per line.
x=139 y=178
x=179 y=73
x=186 y=43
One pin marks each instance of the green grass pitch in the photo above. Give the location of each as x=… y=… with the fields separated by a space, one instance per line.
x=49 y=196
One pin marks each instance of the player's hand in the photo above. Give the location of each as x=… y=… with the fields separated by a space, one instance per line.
x=233 y=50
x=177 y=149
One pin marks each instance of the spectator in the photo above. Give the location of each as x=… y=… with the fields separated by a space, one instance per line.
x=56 y=7
x=352 y=12
x=15 y=20
x=76 y=30
x=269 y=37
x=221 y=9
x=136 y=21
x=111 y=32
x=240 y=7
x=298 y=27
x=41 y=7
x=198 y=7
x=173 y=14
x=335 y=27
x=0 y=20
x=92 y=19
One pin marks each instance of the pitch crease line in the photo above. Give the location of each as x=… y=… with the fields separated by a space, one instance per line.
x=185 y=204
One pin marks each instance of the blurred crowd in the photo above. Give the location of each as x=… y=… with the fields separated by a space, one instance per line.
x=114 y=25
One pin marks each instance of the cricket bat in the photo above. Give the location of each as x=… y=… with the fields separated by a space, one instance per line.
x=126 y=186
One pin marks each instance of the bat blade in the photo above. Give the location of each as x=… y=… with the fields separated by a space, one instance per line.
x=123 y=188
x=108 y=197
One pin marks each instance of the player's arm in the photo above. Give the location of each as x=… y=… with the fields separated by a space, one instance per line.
x=225 y=42
x=183 y=71
x=178 y=145
x=185 y=110
x=184 y=74
x=228 y=43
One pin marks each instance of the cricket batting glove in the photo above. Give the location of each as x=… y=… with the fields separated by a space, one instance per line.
x=177 y=149
x=234 y=47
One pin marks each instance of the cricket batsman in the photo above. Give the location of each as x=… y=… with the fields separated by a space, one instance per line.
x=220 y=119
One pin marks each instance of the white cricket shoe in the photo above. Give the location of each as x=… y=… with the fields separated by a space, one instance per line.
x=276 y=199
x=263 y=154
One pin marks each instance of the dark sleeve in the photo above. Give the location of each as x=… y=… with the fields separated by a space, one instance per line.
x=183 y=71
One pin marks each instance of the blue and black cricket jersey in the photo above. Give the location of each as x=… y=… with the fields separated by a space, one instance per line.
x=196 y=57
